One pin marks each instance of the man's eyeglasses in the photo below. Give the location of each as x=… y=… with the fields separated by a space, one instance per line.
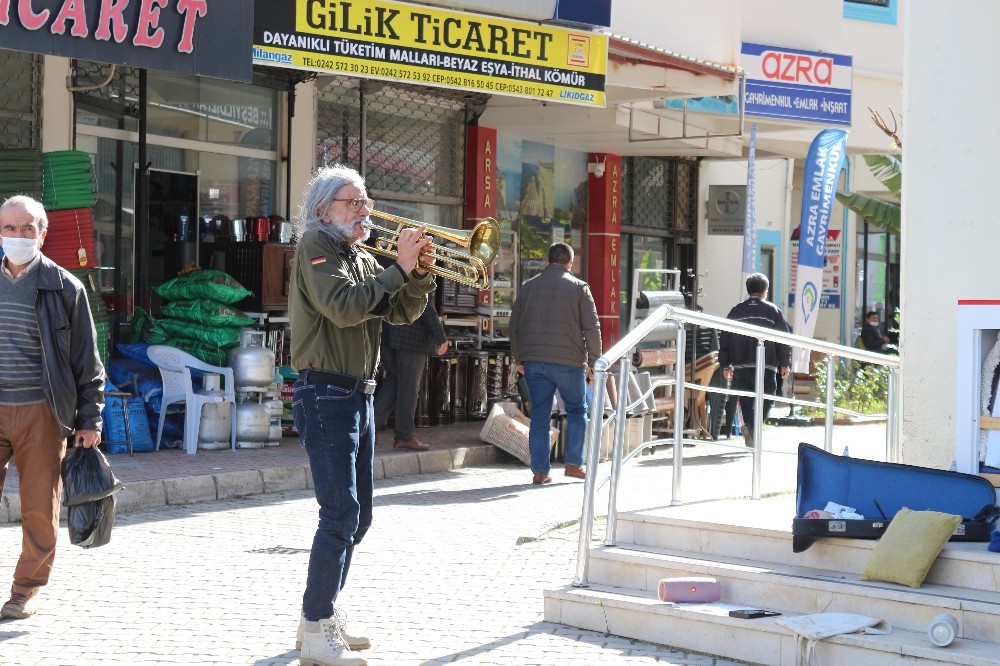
x=355 y=204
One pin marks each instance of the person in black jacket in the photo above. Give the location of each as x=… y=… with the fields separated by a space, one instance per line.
x=871 y=334
x=405 y=349
x=51 y=387
x=738 y=353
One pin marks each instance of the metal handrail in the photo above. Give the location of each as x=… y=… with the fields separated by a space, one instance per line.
x=619 y=354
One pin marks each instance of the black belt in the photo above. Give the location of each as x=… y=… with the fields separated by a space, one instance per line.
x=366 y=386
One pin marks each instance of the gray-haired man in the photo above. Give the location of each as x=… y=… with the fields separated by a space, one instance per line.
x=338 y=297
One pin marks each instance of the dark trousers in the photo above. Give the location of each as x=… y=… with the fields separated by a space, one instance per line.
x=398 y=390
x=744 y=379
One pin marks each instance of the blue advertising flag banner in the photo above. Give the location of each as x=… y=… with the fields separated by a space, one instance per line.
x=750 y=215
x=819 y=188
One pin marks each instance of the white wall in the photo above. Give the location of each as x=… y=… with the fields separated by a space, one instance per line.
x=949 y=248
x=721 y=257
x=303 y=148
x=57 y=105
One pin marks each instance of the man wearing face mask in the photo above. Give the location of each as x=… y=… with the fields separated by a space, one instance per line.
x=51 y=384
x=338 y=298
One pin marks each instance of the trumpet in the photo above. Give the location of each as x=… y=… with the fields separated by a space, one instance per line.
x=481 y=242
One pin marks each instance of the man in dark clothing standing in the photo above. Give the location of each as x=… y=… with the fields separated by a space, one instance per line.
x=555 y=337
x=738 y=353
x=405 y=349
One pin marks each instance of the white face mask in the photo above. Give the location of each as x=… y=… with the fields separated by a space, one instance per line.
x=20 y=251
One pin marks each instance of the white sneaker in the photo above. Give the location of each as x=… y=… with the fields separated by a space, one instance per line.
x=323 y=645
x=353 y=642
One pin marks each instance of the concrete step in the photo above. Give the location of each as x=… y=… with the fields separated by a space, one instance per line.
x=763 y=535
x=707 y=628
x=801 y=590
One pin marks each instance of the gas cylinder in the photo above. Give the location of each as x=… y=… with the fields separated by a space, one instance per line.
x=216 y=418
x=252 y=364
x=253 y=425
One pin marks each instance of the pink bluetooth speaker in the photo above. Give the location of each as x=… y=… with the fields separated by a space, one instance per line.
x=691 y=589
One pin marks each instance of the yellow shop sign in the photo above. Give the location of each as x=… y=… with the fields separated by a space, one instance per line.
x=418 y=44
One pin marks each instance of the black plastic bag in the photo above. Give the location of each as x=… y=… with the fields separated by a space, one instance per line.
x=90 y=523
x=89 y=488
x=87 y=476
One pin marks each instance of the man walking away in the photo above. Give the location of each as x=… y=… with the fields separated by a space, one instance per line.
x=51 y=387
x=738 y=353
x=555 y=338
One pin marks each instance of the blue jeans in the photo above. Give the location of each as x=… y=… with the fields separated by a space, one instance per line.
x=336 y=428
x=543 y=379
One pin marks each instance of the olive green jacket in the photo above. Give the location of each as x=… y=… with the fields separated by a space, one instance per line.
x=338 y=296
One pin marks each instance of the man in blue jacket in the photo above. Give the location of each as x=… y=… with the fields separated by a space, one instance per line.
x=738 y=353
x=555 y=338
x=51 y=387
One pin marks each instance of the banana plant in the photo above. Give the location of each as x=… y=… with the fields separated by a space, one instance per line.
x=888 y=169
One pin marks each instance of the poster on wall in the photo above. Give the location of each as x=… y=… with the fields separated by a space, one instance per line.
x=830 y=294
x=542 y=194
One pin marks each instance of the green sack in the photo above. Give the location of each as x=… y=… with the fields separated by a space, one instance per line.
x=207 y=312
x=147 y=329
x=220 y=336
x=205 y=351
x=213 y=285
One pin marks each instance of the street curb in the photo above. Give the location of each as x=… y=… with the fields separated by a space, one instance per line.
x=140 y=495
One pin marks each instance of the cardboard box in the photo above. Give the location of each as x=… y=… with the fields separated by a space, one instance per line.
x=507 y=428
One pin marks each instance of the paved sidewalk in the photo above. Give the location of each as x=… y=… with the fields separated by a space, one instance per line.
x=452 y=571
x=171 y=476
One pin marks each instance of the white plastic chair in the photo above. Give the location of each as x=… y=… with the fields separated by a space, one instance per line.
x=175 y=368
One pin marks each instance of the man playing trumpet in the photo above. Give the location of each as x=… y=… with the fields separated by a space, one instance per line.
x=338 y=298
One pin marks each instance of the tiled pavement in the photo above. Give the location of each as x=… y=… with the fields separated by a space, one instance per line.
x=452 y=571
x=171 y=476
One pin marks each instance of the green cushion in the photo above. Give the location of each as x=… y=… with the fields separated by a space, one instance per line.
x=909 y=547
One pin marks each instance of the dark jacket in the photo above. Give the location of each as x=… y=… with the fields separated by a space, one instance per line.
x=422 y=337
x=72 y=372
x=740 y=351
x=554 y=320
x=871 y=337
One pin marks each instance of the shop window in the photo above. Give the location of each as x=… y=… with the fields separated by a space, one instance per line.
x=407 y=141
x=21 y=102
x=220 y=136
x=212 y=110
x=640 y=252
x=645 y=185
x=877 y=286
x=338 y=124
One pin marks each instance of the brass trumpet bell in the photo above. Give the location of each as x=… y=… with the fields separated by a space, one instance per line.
x=482 y=243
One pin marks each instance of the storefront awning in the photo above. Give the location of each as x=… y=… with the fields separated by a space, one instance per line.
x=639 y=118
x=644 y=72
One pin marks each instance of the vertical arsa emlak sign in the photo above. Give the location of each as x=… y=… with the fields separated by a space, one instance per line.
x=819 y=190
